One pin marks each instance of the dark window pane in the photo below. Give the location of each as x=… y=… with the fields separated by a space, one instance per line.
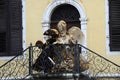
x=65 y=12
x=3 y=27
x=3 y=42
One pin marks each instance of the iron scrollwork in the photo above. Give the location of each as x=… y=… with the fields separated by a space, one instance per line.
x=100 y=68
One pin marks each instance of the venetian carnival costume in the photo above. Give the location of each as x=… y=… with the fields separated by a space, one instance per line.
x=43 y=61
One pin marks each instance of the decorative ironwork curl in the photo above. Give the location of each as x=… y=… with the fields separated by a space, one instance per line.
x=100 y=67
x=18 y=67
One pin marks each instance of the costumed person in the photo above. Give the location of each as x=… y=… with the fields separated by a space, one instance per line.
x=63 y=36
x=73 y=36
x=44 y=61
x=76 y=35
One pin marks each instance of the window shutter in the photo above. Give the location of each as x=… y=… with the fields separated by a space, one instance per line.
x=114 y=24
x=3 y=26
x=15 y=10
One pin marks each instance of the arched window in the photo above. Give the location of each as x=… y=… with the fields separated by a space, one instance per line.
x=65 y=12
x=69 y=10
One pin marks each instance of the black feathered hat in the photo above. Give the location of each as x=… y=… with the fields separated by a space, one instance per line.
x=51 y=32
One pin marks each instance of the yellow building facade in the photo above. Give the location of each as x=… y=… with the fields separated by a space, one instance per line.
x=92 y=17
x=93 y=22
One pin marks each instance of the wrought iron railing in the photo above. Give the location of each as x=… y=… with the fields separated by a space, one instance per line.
x=19 y=67
x=101 y=68
x=67 y=61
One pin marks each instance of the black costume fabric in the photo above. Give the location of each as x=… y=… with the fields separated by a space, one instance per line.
x=42 y=62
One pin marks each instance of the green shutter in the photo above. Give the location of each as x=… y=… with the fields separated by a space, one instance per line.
x=114 y=24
